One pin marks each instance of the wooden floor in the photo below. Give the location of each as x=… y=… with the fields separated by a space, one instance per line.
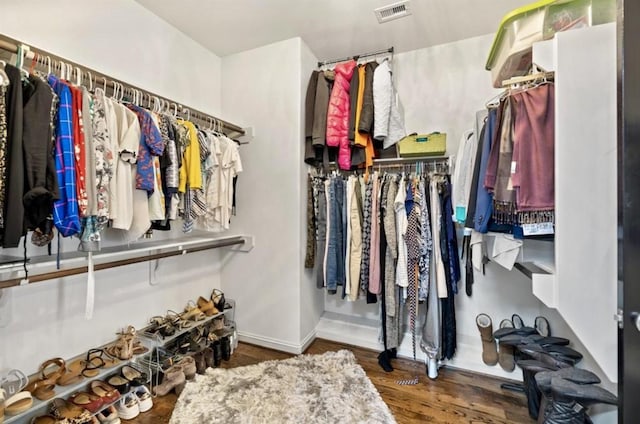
x=455 y=397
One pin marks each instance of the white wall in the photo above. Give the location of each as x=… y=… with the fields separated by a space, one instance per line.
x=122 y=39
x=262 y=89
x=442 y=87
x=311 y=299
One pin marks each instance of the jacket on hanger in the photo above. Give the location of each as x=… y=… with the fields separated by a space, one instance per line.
x=388 y=124
x=338 y=113
x=14 y=215
x=41 y=185
x=309 y=113
x=365 y=123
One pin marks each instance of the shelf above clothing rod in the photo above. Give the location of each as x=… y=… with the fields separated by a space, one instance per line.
x=46 y=60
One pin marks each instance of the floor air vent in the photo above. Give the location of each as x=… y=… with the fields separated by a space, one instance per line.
x=393 y=11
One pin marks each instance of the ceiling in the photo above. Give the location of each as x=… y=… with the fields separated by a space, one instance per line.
x=331 y=28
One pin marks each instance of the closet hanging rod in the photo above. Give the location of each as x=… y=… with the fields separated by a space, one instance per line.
x=356 y=57
x=11 y=45
x=38 y=278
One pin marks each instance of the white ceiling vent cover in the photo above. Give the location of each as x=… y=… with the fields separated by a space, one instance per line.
x=393 y=11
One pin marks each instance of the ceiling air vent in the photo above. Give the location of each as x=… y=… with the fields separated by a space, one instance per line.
x=393 y=11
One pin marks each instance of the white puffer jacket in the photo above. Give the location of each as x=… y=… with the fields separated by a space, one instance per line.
x=388 y=123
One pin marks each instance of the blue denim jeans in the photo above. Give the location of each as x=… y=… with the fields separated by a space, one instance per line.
x=337 y=236
x=320 y=207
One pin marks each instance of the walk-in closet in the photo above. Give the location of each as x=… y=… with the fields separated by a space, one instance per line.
x=285 y=211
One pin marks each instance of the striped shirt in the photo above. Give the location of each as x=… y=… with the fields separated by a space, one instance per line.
x=65 y=210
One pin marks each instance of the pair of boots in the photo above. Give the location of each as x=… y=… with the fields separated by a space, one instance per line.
x=174 y=379
x=504 y=353
x=567 y=393
x=385 y=357
x=557 y=392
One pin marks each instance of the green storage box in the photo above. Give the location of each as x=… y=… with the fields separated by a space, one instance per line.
x=416 y=145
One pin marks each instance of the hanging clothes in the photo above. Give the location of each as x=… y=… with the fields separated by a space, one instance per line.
x=14 y=207
x=388 y=117
x=41 y=185
x=65 y=210
x=534 y=138
x=309 y=111
x=3 y=151
x=338 y=113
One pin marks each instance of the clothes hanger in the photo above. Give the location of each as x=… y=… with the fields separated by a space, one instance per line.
x=20 y=62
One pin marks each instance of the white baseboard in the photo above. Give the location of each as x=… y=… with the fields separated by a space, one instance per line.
x=468 y=355
x=276 y=344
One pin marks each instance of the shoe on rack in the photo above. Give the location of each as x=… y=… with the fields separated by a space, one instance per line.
x=570 y=401
x=543 y=380
x=88 y=401
x=173 y=378
x=207 y=353
x=200 y=361
x=188 y=365
x=121 y=384
x=489 y=350
x=217 y=296
x=225 y=345
x=145 y=400
x=216 y=346
x=135 y=376
x=192 y=313
x=18 y=403
x=106 y=392
x=61 y=409
x=128 y=407
x=207 y=307
x=108 y=415
x=505 y=351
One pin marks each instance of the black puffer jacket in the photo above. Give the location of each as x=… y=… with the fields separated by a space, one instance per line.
x=366 y=115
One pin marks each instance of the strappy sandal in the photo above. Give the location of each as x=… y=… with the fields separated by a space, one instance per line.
x=72 y=374
x=43 y=386
x=217 y=297
x=193 y=313
x=207 y=306
x=123 y=347
x=97 y=359
x=178 y=321
x=162 y=325
x=13 y=382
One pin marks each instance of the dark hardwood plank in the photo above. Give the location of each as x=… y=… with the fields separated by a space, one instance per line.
x=456 y=397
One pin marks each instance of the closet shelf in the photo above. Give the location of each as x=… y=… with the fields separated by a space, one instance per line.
x=75 y=263
x=150 y=341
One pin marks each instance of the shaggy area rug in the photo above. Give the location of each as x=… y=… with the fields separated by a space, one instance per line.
x=327 y=388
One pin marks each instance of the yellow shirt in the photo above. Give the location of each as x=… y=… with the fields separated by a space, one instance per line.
x=190 y=171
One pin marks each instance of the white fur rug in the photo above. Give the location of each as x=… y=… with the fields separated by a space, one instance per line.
x=309 y=389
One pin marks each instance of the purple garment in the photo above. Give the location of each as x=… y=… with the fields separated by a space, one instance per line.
x=534 y=148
